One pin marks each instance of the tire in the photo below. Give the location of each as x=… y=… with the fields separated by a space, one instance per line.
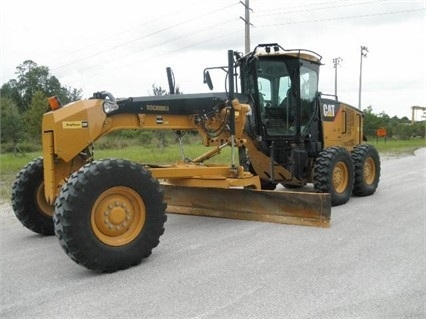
x=110 y=215
x=28 y=200
x=291 y=186
x=334 y=173
x=267 y=186
x=367 y=170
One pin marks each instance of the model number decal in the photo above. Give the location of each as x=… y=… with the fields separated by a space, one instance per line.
x=161 y=108
x=74 y=124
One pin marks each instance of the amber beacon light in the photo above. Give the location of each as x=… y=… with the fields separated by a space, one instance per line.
x=54 y=103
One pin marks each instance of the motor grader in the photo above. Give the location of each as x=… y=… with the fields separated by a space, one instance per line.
x=109 y=213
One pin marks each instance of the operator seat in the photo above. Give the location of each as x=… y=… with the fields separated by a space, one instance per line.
x=290 y=105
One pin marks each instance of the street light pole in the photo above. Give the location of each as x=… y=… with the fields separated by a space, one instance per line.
x=364 y=51
x=336 y=62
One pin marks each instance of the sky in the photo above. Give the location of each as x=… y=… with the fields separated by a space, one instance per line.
x=125 y=46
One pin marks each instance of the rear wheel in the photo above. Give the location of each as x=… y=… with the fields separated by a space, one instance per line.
x=367 y=169
x=28 y=200
x=110 y=215
x=334 y=173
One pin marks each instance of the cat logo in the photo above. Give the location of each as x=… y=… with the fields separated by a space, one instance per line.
x=329 y=110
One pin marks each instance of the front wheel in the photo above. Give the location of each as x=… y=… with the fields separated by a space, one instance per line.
x=28 y=200
x=367 y=169
x=334 y=173
x=110 y=215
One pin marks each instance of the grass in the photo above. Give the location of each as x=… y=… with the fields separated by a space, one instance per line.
x=397 y=147
x=10 y=163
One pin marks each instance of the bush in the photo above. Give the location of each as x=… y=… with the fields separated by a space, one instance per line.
x=22 y=147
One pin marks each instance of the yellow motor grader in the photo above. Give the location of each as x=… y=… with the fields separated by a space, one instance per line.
x=109 y=213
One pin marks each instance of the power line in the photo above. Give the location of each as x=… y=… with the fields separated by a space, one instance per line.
x=144 y=36
x=190 y=46
x=300 y=6
x=279 y=12
x=131 y=64
x=219 y=23
x=339 y=18
x=95 y=44
x=161 y=43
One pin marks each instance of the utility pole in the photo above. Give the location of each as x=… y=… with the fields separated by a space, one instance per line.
x=364 y=51
x=246 y=20
x=336 y=62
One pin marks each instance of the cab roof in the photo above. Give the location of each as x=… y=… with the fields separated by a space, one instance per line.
x=274 y=49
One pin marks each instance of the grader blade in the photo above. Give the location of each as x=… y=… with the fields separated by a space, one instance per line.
x=285 y=207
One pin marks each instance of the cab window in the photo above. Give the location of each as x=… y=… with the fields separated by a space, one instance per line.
x=308 y=90
x=264 y=86
x=277 y=108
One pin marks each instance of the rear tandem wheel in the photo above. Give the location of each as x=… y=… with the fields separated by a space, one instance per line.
x=367 y=169
x=110 y=215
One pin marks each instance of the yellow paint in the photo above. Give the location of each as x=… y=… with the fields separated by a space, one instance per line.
x=345 y=130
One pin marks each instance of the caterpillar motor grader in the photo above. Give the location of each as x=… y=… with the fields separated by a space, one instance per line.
x=109 y=213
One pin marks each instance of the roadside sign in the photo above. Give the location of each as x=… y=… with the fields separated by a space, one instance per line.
x=381 y=132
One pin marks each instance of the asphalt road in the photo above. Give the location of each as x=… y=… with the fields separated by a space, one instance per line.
x=368 y=264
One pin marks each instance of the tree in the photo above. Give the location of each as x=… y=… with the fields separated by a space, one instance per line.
x=12 y=129
x=395 y=127
x=10 y=90
x=158 y=90
x=371 y=122
x=34 y=115
x=32 y=78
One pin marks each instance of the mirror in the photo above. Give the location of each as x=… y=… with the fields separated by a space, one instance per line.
x=208 y=80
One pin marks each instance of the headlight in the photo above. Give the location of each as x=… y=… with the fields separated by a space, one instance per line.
x=110 y=106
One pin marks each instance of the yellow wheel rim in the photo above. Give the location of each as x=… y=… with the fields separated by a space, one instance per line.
x=44 y=206
x=340 y=177
x=118 y=216
x=369 y=171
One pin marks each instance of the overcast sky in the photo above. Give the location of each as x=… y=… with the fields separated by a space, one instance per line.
x=125 y=46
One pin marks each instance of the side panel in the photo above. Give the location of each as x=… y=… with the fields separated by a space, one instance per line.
x=342 y=124
x=74 y=126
